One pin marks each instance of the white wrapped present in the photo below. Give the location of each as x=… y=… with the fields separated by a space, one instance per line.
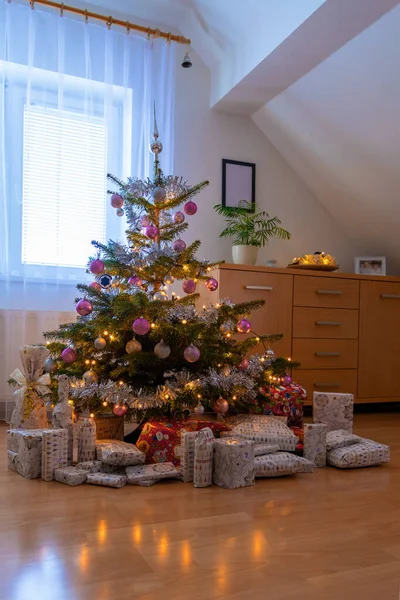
x=90 y=466
x=366 y=453
x=315 y=443
x=85 y=431
x=114 y=452
x=335 y=410
x=63 y=413
x=144 y=473
x=273 y=432
x=27 y=445
x=12 y=460
x=261 y=449
x=54 y=452
x=277 y=464
x=187 y=452
x=30 y=410
x=233 y=463
x=107 y=479
x=340 y=438
x=304 y=465
x=70 y=476
x=203 y=459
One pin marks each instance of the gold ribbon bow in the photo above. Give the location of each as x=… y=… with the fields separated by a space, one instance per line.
x=31 y=389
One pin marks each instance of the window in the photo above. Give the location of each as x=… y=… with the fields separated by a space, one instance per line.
x=64 y=186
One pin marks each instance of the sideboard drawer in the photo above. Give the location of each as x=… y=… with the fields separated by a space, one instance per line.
x=325 y=323
x=327 y=380
x=326 y=354
x=326 y=292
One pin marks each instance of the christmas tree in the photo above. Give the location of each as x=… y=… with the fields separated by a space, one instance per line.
x=136 y=346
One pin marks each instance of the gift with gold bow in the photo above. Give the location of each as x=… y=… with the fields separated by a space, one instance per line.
x=30 y=409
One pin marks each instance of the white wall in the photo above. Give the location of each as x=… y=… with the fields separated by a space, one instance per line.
x=203 y=137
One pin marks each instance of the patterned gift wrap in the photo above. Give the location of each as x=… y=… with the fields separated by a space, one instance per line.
x=203 y=459
x=105 y=468
x=340 y=438
x=70 y=475
x=12 y=460
x=114 y=452
x=27 y=444
x=145 y=473
x=315 y=443
x=187 y=455
x=90 y=466
x=304 y=465
x=364 y=454
x=107 y=479
x=277 y=464
x=335 y=410
x=233 y=463
x=261 y=449
x=287 y=401
x=86 y=436
x=274 y=432
x=54 y=452
x=161 y=440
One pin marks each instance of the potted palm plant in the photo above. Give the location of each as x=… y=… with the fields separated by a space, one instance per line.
x=250 y=229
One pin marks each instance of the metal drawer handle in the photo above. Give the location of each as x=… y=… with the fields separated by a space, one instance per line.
x=328 y=354
x=327 y=384
x=266 y=288
x=392 y=296
x=329 y=292
x=334 y=323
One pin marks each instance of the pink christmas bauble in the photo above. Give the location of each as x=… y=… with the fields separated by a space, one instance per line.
x=190 y=208
x=135 y=280
x=244 y=365
x=145 y=221
x=287 y=380
x=120 y=410
x=84 y=307
x=191 y=354
x=96 y=267
x=116 y=201
x=179 y=217
x=221 y=406
x=179 y=245
x=68 y=355
x=189 y=286
x=211 y=284
x=243 y=326
x=151 y=232
x=141 y=326
x=95 y=285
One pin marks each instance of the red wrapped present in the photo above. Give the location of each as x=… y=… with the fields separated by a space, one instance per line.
x=299 y=431
x=161 y=440
x=287 y=401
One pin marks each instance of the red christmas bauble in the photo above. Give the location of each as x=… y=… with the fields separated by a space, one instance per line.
x=243 y=326
x=211 y=284
x=96 y=267
x=84 y=307
x=190 y=208
x=221 y=406
x=116 y=201
x=120 y=410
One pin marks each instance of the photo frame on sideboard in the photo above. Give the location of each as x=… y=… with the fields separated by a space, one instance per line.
x=238 y=182
x=370 y=265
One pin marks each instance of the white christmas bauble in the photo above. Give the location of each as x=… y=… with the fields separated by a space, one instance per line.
x=169 y=279
x=162 y=350
x=90 y=377
x=133 y=346
x=161 y=295
x=225 y=328
x=199 y=409
x=100 y=343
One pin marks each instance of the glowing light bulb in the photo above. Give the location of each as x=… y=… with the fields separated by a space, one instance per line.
x=209 y=269
x=111 y=337
x=289 y=359
x=93 y=362
x=91 y=415
x=121 y=383
x=234 y=397
x=184 y=321
x=228 y=335
x=87 y=362
x=105 y=403
x=257 y=339
x=204 y=307
x=153 y=325
x=199 y=396
x=70 y=401
x=105 y=332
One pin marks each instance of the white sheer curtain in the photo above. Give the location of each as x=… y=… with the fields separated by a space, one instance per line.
x=76 y=101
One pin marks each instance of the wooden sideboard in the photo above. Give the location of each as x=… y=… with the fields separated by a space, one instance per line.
x=344 y=329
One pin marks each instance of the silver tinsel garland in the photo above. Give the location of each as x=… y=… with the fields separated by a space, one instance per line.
x=229 y=381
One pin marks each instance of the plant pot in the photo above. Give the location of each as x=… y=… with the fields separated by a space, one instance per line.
x=244 y=255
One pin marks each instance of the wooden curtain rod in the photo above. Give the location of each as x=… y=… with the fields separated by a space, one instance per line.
x=154 y=33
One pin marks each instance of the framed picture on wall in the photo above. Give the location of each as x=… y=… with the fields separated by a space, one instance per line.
x=238 y=182
x=370 y=265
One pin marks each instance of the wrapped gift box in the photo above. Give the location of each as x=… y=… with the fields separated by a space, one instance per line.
x=335 y=410
x=273 y=432
x=90 y=466
x=161 y=440
x=70 y=476
x=144 y=474
x=107 y=479
x=54 y=452
x=27 y=444
x=315 y=443
x=366 y=453
x=261 y=449
x=115 y=452
x=203 y=459
x=277 y=464
x=287 y=401
x=340 y=438
x=188 y=439
x=233 y=463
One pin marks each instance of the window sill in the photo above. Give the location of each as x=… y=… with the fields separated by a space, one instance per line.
x=42 y=280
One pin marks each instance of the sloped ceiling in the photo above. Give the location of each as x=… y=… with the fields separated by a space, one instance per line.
x=339 y=128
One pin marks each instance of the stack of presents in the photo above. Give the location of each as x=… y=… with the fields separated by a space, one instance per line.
x=230 y=454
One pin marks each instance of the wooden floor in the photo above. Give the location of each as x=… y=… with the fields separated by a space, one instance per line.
x=333 y=535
